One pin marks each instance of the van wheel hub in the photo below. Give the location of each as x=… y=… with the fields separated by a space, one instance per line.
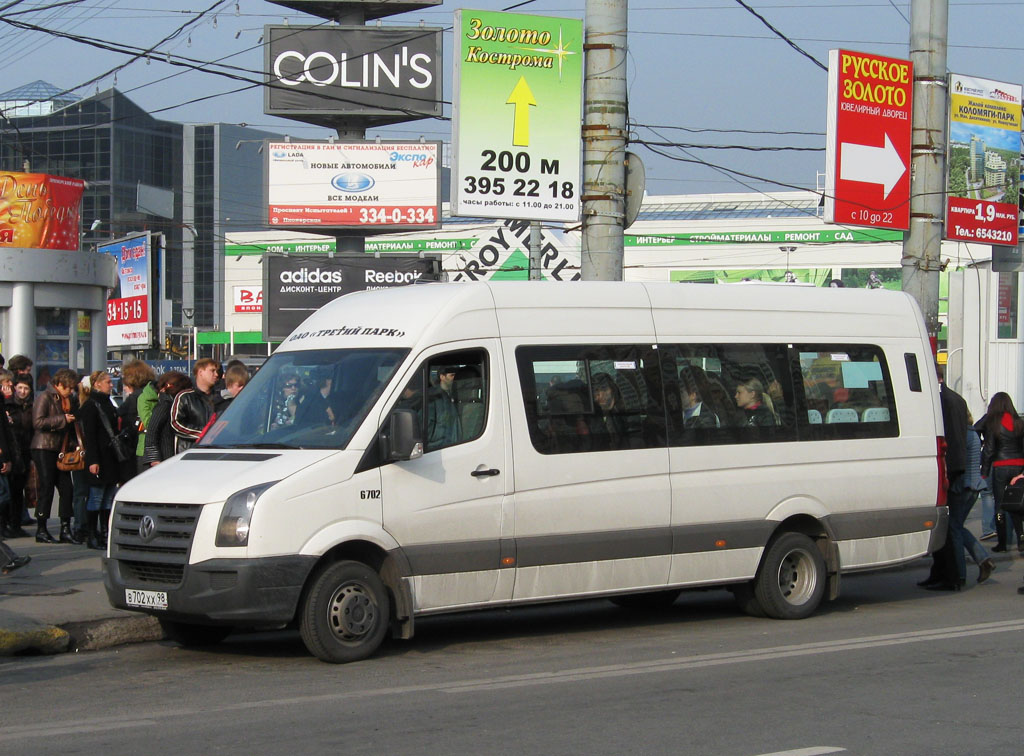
x=352 y=612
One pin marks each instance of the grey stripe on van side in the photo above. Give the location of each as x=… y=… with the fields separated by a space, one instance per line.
x=536 y=551
x=856 y=525
x=539 y=551
x=747 y=534
x=461 y=556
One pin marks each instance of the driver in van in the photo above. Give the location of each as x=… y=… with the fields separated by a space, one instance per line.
x=444 y=427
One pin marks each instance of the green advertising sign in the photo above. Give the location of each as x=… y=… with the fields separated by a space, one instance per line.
x=372 y=246
x=823 y=236
x=517 y=116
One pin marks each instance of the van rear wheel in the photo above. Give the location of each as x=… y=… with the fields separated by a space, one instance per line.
x=345 y=614
x=791 y=581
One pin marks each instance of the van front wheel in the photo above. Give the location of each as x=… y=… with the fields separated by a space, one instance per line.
x=791 y=581
x=345 y=614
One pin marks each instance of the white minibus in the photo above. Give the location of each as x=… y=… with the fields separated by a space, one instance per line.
x=447 y=447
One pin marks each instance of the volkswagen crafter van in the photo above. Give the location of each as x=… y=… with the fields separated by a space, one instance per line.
x=449 y=447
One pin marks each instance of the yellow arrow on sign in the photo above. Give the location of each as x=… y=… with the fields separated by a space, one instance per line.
x=522 y=98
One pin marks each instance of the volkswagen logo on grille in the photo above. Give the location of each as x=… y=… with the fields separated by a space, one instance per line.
x=147 y=528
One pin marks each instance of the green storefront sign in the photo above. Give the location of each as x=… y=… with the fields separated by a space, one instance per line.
x=822 y=236
x=372 y=246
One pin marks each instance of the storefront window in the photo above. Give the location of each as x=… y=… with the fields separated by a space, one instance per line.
x=82 y=349
x=52 y=342
x=1006 y=315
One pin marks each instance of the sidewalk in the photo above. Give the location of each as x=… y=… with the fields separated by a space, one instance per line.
x=57 y=603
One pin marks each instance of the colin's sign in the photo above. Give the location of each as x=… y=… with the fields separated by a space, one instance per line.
x=384 y=75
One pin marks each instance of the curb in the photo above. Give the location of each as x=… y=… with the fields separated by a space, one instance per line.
x=91 y=635
x=41 y=639
x=117 y=631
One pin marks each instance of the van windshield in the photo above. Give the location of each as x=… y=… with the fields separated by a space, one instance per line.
x=305 y=400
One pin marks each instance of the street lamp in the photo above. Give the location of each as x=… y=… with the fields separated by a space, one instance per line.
x=789 y=273
x=260 y=142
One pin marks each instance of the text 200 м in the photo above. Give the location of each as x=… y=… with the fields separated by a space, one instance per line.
x=521 y=187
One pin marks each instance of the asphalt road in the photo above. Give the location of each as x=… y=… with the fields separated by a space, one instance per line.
x=886 y=669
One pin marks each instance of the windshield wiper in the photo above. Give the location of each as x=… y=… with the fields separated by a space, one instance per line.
x=265 y=445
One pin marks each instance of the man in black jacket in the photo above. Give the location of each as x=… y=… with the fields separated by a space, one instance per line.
x=944 y=575
x=193 y=408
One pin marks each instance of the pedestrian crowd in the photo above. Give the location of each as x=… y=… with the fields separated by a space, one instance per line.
x=983 y=460
x=70 y=437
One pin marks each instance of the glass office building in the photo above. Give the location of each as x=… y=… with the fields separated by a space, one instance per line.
x=210 y=176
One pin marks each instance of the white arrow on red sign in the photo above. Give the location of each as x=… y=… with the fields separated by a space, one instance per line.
x=871 y=165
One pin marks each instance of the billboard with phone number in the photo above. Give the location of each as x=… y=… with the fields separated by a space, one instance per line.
x=129 y=304
x=983 y=177
x=366 y=185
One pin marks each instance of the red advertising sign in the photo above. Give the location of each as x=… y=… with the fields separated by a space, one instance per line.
x=133 y=311
x=248 y=298
x=867 y=152
x=39 y=211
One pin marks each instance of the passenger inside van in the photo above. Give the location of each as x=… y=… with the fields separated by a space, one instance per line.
x=692 y=388
x=755 y=403
x=608 y=428
x=567 y=430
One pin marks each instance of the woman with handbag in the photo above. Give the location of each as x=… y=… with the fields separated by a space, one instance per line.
x=1002 y=458
x=56 y=439
x=103 y=452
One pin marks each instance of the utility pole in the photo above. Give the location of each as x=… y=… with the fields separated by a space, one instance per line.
x=604 y=139
x=923 y=244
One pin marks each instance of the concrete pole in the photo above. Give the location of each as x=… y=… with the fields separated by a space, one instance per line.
x=21 y=323
x=349 y=244
x=604 y=140
x=922 y=245
x=535 y=245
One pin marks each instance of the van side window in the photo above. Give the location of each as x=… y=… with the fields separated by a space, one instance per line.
x=592 y=398
x=848 y=391
x=729 y=393
x=913 y=374
x=454 y=386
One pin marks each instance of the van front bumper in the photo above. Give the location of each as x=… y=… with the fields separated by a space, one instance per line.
x=240 y=592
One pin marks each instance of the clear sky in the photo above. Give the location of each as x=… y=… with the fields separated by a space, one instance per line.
x=700 y=72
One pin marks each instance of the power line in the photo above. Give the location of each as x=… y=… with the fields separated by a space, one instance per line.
x=783 y=37
x=747 y=147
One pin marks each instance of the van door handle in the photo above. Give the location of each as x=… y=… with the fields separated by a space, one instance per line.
x=485 y=473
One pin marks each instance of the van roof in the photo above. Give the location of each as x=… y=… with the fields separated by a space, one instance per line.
x=404 y=315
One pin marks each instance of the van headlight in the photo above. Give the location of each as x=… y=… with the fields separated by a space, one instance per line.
x=233 y=529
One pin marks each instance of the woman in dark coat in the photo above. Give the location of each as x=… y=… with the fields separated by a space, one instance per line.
x=19 y=413
x=135 y=376
x=1002 y=458
x=101 y=462
x=53 y=419
x=159 y=434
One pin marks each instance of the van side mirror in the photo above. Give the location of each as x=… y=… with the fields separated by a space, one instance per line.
x=402 y=442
